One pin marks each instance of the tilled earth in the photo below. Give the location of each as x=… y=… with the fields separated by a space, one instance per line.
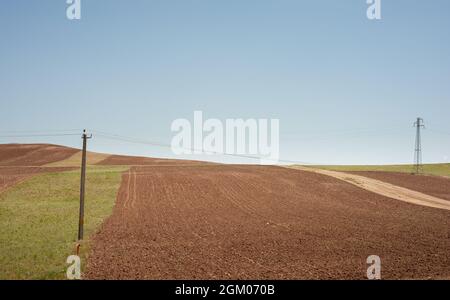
x=19 y=162
x=10 y=176
x=259 y=222
x=432 y=185
x=33 y=154
x=115 y=160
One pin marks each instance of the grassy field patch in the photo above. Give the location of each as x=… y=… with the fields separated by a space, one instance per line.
x=430 y=169
x=39 y=220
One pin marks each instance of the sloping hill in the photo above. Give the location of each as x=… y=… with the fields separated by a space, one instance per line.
x=47 y=155
x=442 y=169
x=19 y=162
x=176 y=219
x=437 y=186
x=33 y=154
x=121 y=160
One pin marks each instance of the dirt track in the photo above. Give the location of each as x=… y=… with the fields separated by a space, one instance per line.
x=431 y=185
x=254 y=222
x=383 y=188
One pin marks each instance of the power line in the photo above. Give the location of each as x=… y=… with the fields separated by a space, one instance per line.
x=38 y=135
x=153 y=143
x=42 y=131
x=136 y=141
x=346 y=131
x=128 y=139
x=438 y=131
x=348 y=137
x=112 y=136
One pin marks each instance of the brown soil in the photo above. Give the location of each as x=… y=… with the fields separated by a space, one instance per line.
x=10 y=176
x=92 y=158
x=146 y=161
x=33 y=154
x=432 y=185
x=255 y=222
x=383 y=188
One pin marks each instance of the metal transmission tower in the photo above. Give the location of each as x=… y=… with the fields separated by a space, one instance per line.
x=418 y=168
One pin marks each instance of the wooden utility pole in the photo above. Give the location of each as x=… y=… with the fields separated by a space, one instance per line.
x=82 y=185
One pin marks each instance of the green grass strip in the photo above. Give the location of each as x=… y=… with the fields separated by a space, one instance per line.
x=430 y=169
x=39 y=220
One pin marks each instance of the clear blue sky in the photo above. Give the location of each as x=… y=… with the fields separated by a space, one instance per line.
x=346 y=89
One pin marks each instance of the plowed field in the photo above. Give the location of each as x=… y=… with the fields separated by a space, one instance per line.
x=10 y=176
x=117 y=160
x=33 y=154
x=432 y=185
x=255 y=222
